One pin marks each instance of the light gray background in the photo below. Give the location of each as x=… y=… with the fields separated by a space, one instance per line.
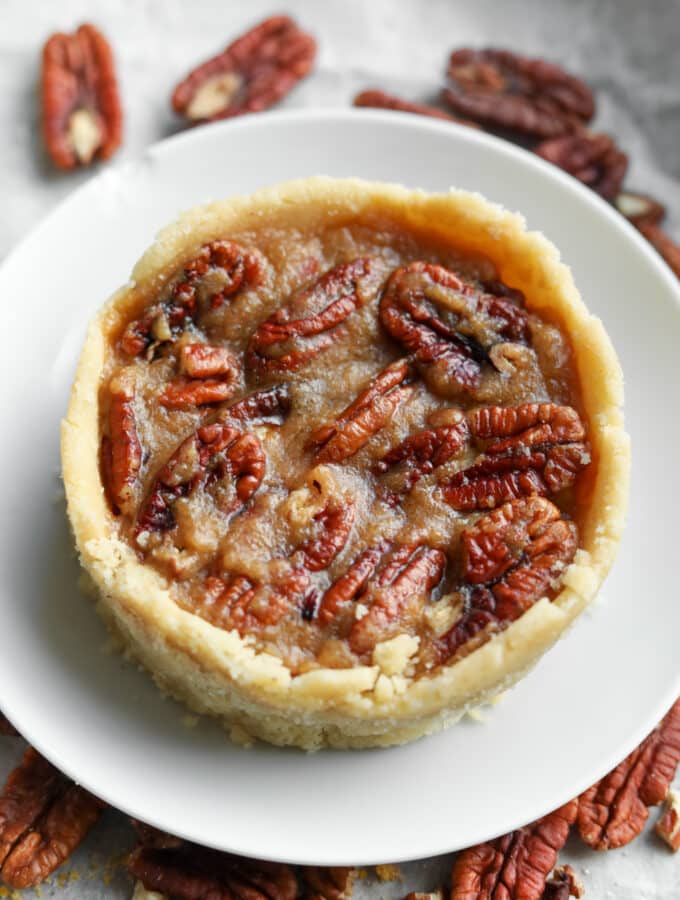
x=627 y=50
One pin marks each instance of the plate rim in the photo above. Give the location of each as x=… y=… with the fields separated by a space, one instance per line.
x=272 y=119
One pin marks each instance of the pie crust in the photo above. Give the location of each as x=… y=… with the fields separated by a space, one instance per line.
x=219 y=673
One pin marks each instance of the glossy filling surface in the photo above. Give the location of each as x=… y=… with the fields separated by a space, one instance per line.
x=355 y=446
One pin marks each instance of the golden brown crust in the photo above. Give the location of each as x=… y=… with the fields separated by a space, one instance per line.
x=217 y=672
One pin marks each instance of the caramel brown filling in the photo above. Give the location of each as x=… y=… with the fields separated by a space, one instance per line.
x=331 y=441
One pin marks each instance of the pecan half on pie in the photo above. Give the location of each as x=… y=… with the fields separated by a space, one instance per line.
x=344 y=459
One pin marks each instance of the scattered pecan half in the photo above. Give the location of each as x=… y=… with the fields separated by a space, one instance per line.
x=535 y=448
x=511 y=557
x=425 y=451
x=563 y=884
x=381 y=100
x=43 y=817
x=121 y=450
x=6 y=727
x=254 y=72
x=613 y=812
x=326 y=883
x=592 y=158
x=309 y=323
x=270 y=406
x=661 y=242
x=365 y=416
x=668 y=826
x=210 y=375
x=506 y=91
x=186 y=871
x=81 y=112
x=399 y=594
x=218 y=272
x=210 y=456
x=639 y=208
x=515 y=865
x=448 y=325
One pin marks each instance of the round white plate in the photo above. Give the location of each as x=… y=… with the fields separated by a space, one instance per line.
x=586 y=705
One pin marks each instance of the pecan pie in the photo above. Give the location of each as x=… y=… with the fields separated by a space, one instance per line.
x=344 y=459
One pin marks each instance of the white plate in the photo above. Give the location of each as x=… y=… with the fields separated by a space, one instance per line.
x=585 y=705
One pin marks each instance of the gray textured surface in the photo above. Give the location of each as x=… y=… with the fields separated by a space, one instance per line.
x=627 y=50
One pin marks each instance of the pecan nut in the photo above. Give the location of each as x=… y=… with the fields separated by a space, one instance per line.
x=308 y=324
x=662 y=243
x=398 y=594
x=449 y=326
x=186 y=871
x=639 y=208
x=503 y=90
x=217 y=273
x=121 y=450
x=234 y=602
x=210 y=375
x=333 y=524
x=225 y=601
x=254 y=72
x=563 y=885
x=381 y=100
x=614 y=810
x=592 y=158
x=326 y=883
x=423 y=452
x=81 y=112
x=211 y=456
x=535 y=448
x=43 y=818
x=511 y=557
x=668 y=826
x=270 y=406
x=515 y=865
x=350 y=586
x=365 y=416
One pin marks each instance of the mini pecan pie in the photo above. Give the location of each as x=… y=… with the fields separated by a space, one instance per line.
x=344 y=459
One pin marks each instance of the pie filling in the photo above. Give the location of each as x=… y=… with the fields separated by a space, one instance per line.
x=353 y=447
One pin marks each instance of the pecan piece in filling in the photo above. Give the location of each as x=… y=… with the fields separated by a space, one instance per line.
x=423 y=452
x=239 y=603
x=398 y=594
x=212 y=455
x=511 y=557
x=210 y=375
x=308 y=324
x=217 y=273
x=351 y=586
x=121 y=450
x=503 y=90
x=448 y=325
x=536 y=448
x=270 y=406
x=253 y=73
x=364 y=417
